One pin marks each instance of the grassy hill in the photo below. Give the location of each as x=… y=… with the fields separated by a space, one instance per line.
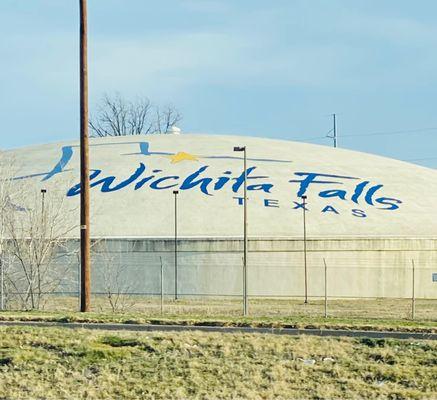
x=54 y=363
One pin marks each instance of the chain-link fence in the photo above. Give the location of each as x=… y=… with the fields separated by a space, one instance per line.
x=206 y=284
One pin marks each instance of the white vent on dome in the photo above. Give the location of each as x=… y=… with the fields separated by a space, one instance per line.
x=174 y=130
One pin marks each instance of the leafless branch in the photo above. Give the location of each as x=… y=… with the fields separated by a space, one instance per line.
x=117 y=117
x=35 y=238
x=113 y=277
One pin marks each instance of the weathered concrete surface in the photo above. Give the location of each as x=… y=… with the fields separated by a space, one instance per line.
x=356 y=268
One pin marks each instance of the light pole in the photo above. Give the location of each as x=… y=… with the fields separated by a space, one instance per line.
x=175 y=192
x=43 y=192
x=245 y=300
x=85 y=244
x=305 y=247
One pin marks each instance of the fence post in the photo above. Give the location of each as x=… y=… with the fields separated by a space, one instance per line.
x=162 y=285
x=244 y=282
x=2 y=294
x=78 y=285
x=413 y=297
x=326 y=288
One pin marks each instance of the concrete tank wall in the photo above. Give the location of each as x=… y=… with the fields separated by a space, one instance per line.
x=356 y=267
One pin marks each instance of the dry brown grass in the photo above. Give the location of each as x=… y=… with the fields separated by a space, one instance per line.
x=426 y=309
x=377 y=314
x=64 y=364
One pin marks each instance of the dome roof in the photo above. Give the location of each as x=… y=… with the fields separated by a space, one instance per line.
x=133 y=178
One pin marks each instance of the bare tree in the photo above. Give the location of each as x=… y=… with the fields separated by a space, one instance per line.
x=166 y=118
x=37 y=243
x=113 y=277
x=8 y=190
x=119 y=117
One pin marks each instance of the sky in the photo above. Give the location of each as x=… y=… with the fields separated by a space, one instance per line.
x=276 y=69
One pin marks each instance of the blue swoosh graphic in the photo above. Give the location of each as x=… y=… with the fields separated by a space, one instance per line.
x=67 y=153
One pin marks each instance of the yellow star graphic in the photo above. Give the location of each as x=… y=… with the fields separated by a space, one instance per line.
x=182 y=156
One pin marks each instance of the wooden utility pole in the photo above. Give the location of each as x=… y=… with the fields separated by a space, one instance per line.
x=334 y=129
x=85 y=258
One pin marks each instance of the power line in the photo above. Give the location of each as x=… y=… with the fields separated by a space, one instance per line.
x=422 y=130
x=382 y=133
x=311 y=139
x=334 y=130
